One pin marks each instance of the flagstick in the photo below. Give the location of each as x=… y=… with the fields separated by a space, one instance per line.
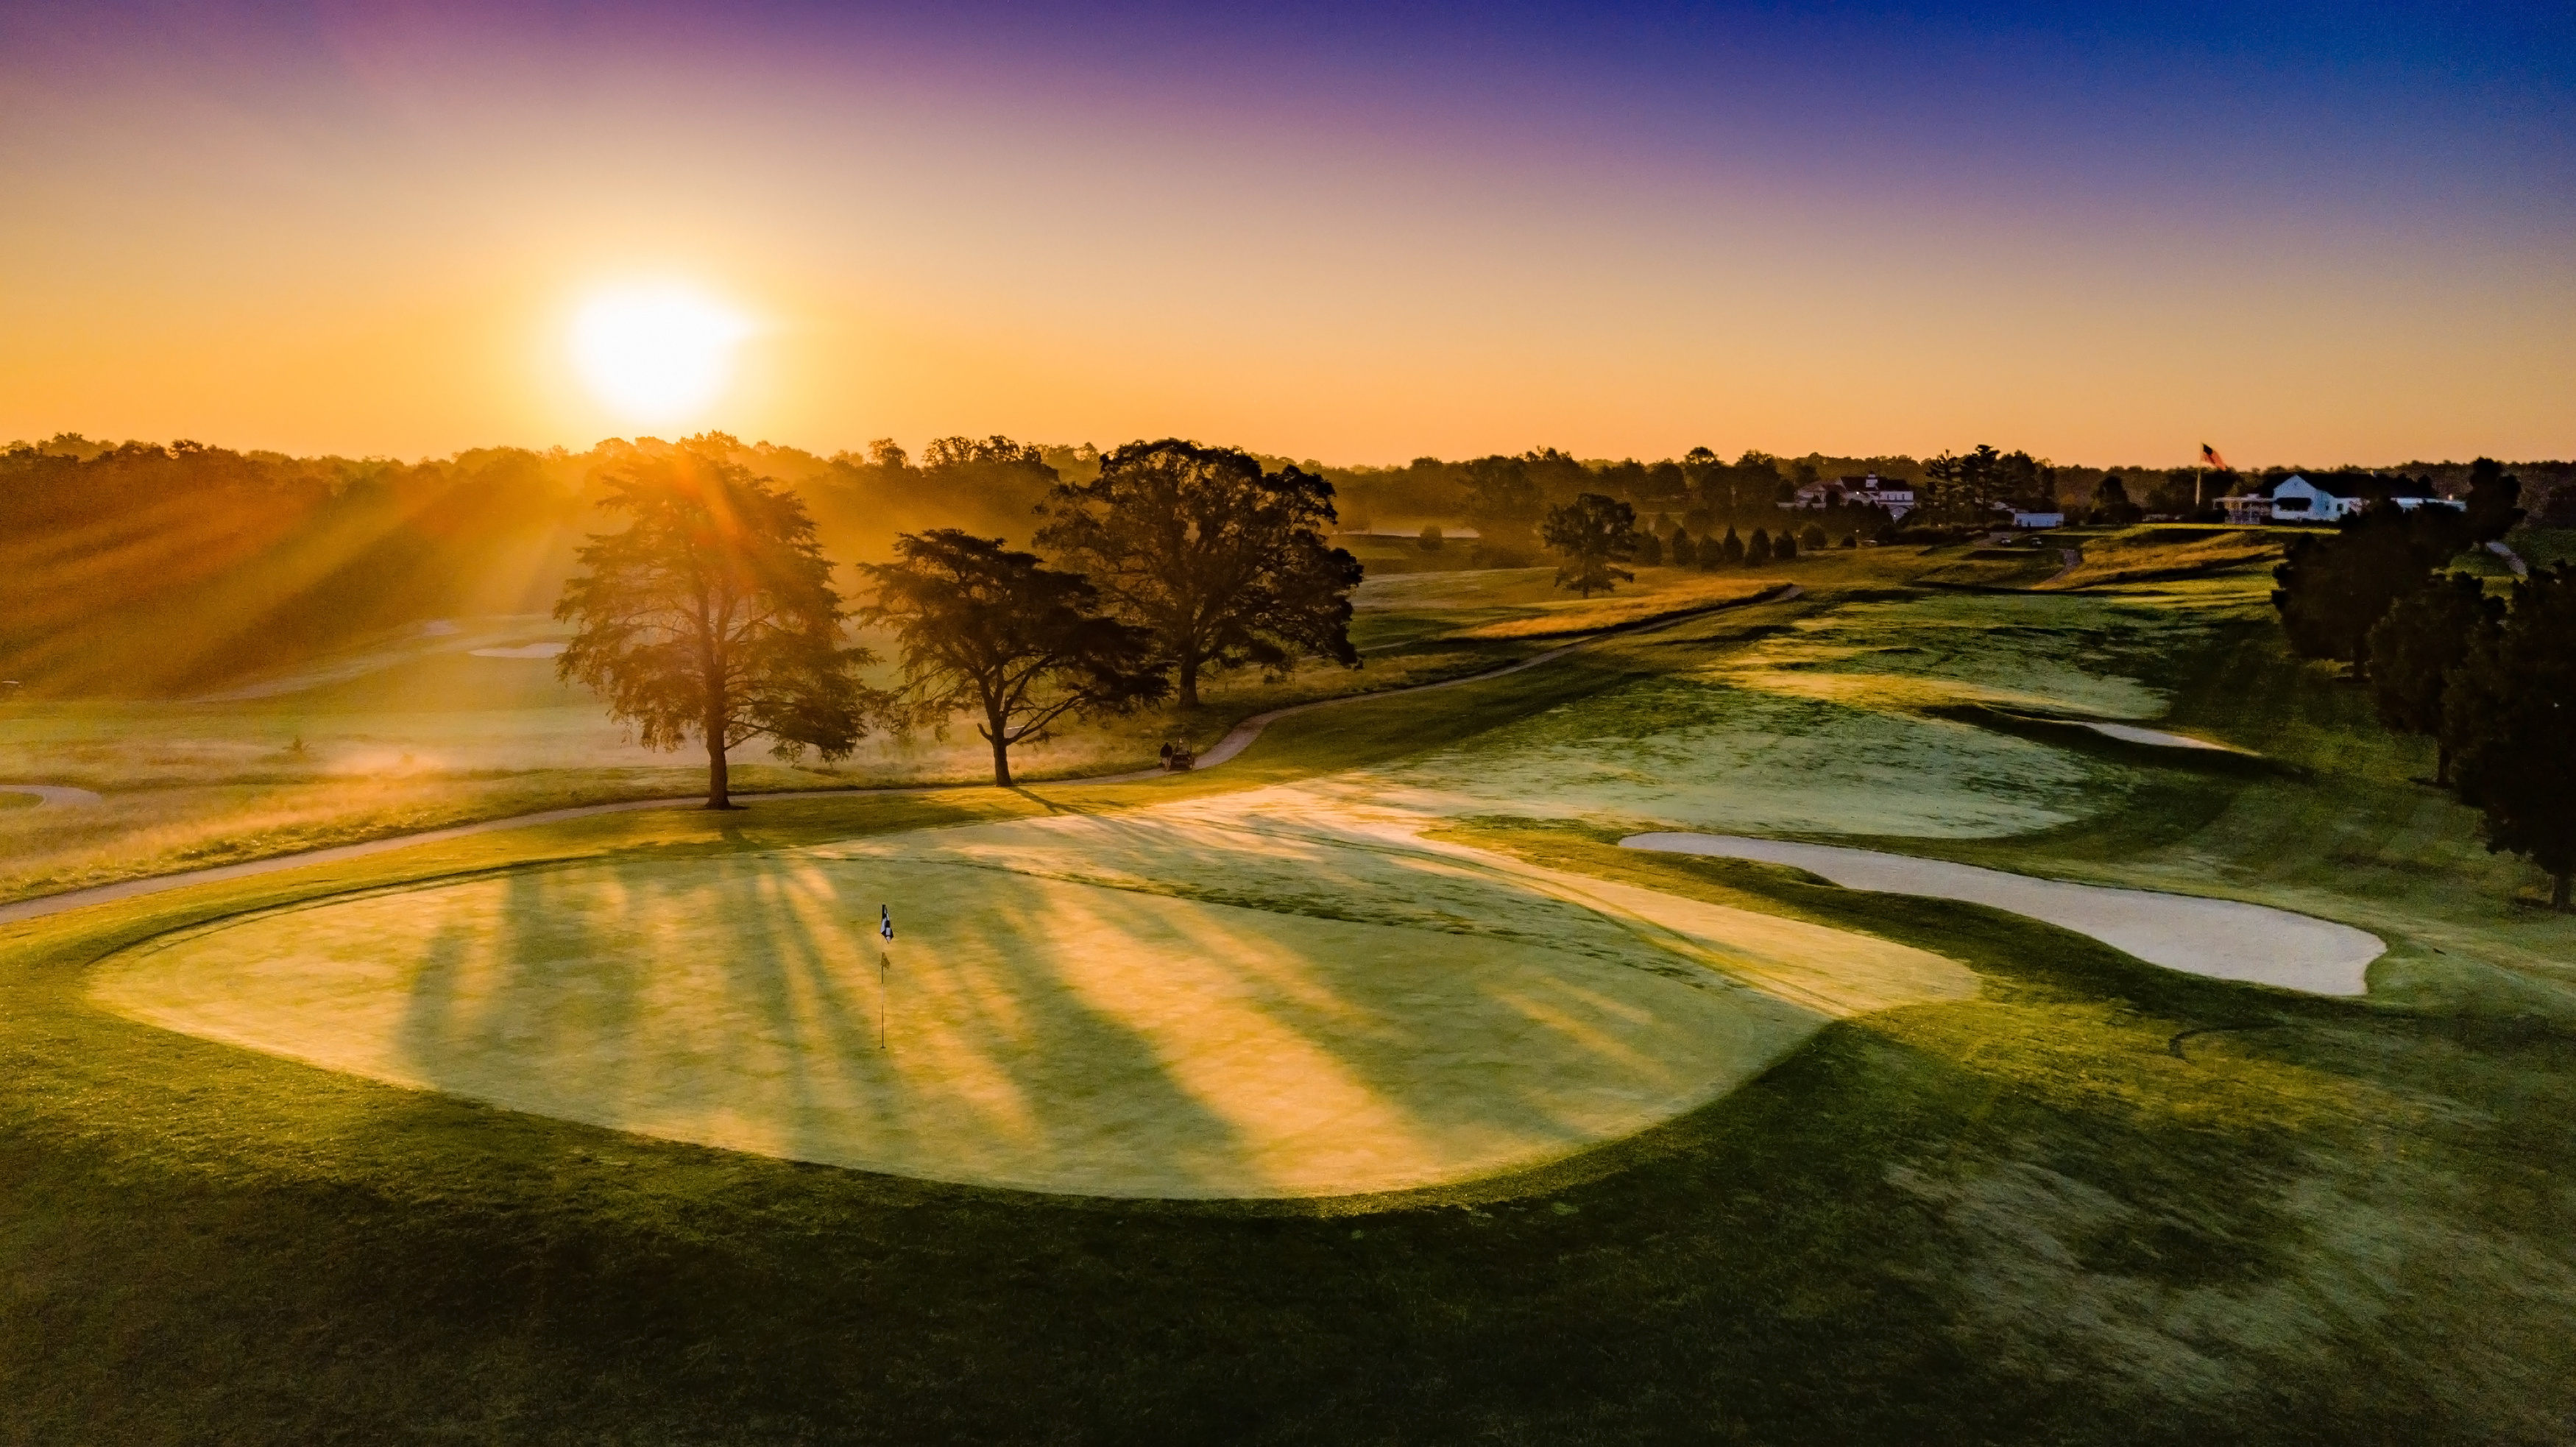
x=883 y=1003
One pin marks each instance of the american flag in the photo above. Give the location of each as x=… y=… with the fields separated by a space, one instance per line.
x=2210 y=455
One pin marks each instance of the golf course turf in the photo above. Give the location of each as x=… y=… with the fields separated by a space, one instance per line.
x=2021 y=1187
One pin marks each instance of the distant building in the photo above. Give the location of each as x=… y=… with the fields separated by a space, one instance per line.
x=2249 y=510
x=1870 y=490
x=2294 y=499
x=2039 y=519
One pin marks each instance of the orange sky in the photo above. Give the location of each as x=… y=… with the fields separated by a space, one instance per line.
x=379 y=253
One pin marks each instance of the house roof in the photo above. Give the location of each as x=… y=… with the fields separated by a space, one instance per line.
x=2349 y=485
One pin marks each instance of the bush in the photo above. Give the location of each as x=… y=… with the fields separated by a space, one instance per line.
x=1813 y=538
x=1430 y=540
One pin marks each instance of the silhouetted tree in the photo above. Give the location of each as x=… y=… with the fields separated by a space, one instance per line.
x=1685 y=552
x=1594 y=534
x=713 y=616
x=2509 y=719
x=1650 y=549
x=1813 y=538
x=1226 y=563
x=1784 y=548
x=1757 y=549
x=990 y=631
x=2111 y=502
x=2415 y=646
x=1430 y=540
x=1732 y=549
x=2336 y=586
x=2493 y=501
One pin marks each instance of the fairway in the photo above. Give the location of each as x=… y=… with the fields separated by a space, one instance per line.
x=1044 y=1033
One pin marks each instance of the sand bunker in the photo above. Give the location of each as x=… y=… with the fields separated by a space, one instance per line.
x=1051 y=1023
x=2131 y=733
x=53 y=793
x=2221 y=938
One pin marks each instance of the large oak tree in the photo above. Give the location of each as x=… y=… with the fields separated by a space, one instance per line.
x=991 y=632
x=712 y=616
x=1594 y=534
x=1225 y=562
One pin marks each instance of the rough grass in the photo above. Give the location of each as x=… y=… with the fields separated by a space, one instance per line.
x=419 y=733
x=2140 y=554
x=2035 y=1216
x=2098 y=1203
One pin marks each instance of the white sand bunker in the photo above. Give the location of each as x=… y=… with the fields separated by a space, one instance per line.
x=56 y=794
x=2156 y=738
x=1047 y=1033
x=2222 y=938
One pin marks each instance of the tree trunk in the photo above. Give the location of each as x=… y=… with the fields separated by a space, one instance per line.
x=1001 y=761
x=1189 y=681
x=719 y=783
x=2441 y=764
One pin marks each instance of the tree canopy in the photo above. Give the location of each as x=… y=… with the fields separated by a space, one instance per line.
x=2335 y=587
x=712 y=615
x=1594 y=535
x=2413 y=649
x=984 y=629
x=2509 y=719
x=1226 y=563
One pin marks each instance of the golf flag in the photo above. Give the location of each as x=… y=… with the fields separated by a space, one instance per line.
x=885 y=923
x=2210 y=455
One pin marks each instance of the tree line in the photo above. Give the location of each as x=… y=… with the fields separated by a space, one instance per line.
x=2492 y=681
x=712 y=614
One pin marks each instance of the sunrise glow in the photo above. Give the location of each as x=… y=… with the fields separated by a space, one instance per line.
x=656 y=355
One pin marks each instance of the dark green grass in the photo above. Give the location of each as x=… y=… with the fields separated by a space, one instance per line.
x=2020 y=1218
x=2099 y=1203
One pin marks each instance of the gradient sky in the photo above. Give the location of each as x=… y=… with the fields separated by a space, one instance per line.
x=2106 y=233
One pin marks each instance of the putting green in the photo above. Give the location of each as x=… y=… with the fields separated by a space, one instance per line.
x=1043 y=1031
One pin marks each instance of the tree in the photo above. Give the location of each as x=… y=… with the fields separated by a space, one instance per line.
x=1970 y=488
x=1595 y=534
x=987 y=630
x=1430 y=540
x=1226 y=563
x=1784 y=549
x=2509 y=719
x=1757 y=550
x=2424 y=636
x=1650 y=549
x=1685 y=552
x=1813 y=538
x=1732 y=550
x=713 y=616
x=2111 y=502
x=2336 y=586
x=2493 y=499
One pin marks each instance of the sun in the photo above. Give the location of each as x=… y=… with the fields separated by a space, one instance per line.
x=656 y=354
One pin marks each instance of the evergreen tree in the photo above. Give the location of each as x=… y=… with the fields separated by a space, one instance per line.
x=1732 y=550
x=1685 y=552
x=1758 y=551
x=2509 y=718
x=1650 y=550
x=2426 y=635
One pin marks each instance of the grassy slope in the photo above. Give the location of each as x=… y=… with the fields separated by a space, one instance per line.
x=2020 y=1218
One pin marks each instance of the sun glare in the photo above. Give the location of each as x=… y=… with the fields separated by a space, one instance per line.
x=657 y=354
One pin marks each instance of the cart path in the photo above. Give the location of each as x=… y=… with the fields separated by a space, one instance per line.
x=1238 y=739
